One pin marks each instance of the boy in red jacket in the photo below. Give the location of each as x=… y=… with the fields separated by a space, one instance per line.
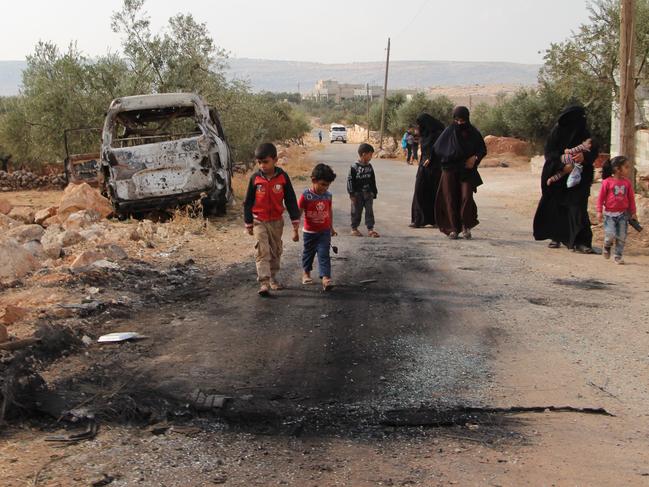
x=269 y=190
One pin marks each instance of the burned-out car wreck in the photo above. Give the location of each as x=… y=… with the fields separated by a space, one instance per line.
x=164 y=150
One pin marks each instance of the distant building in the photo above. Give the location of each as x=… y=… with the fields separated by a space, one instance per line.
x=330 y=89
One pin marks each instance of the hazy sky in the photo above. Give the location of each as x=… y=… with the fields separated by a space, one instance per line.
x=322 y=31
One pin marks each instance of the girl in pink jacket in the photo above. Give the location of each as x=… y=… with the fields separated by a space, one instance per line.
x=616 y=205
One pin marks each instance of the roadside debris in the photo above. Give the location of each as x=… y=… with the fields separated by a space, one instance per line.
x=88 y=434
x=161 y=151
x=369 y=281
x=426 y=416
x=120 y=337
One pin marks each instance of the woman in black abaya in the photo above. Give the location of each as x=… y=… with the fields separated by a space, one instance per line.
x=428 y=173
x=460 y=149
x=562 y=214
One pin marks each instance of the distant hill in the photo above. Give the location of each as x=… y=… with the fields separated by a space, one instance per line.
x=285 y=75
x=270 y=75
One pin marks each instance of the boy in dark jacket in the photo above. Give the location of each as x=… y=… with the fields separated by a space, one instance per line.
x=361 y=186
x=269 y=190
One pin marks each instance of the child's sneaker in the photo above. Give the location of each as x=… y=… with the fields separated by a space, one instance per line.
x=607 y=252
x=619 y=259
x=356 y=233
x=452 y=235
x=467 y=234
x=264 y=290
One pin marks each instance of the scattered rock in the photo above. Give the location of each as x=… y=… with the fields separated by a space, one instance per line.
x=6 y=222
x=96 y=232
x=12 y=314
x=82 y=196
x=113 y=251
x=25 y=233
x=24 y=214
x=56 y=236
x=81 y=219
x=71 y=237
x=53 y=220
x=15 y=261
x=5 y=207
x=86 y=258
x=35 y=248
x=42 y=215
x=22 y=180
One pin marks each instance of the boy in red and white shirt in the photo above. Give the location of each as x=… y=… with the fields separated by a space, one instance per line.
x=269 y=190
x=315 y=203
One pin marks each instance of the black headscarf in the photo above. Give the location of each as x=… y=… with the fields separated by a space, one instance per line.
x=569 y=131
x=429 y=130
x=460 y=141
x=461 y=113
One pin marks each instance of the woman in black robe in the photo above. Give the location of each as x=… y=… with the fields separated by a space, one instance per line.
x=460 y=149
x=428 y=173
x=562 y=214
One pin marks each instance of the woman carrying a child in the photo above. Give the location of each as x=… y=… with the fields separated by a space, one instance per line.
x=562 y=213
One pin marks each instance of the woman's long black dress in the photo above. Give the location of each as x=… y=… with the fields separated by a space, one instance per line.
x=562 y=213
x=427 y=179
x=455 y=208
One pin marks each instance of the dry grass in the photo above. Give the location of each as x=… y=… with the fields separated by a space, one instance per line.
x=297 y=161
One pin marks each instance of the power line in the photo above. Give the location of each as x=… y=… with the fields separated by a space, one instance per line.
x=421 y=9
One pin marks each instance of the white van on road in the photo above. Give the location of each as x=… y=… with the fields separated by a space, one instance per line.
x=337 y=133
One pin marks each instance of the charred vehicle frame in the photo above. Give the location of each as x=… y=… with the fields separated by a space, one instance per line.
x=164 y=150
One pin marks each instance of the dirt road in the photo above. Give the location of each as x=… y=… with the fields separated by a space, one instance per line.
x=334 y=389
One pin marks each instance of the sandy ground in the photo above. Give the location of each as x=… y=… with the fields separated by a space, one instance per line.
x=497 y=321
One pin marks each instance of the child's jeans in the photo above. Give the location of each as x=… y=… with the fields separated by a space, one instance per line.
x=317 y=243
x=363 y=200
x=615 y=227
x=269 y=248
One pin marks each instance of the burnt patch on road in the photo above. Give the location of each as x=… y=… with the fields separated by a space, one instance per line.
x=586 y=284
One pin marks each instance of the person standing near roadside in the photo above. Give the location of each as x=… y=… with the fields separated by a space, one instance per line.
x=404 y=144
x=361 y=187
x=460 y=148
x=269 y=190
x=410 y=145
x=428 y=173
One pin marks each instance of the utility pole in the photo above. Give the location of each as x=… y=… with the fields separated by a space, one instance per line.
x=385 y=96
x=367 y=87
x=627 y=82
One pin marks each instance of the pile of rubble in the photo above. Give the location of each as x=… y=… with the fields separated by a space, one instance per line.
x=23 y=180
x=31 y=239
